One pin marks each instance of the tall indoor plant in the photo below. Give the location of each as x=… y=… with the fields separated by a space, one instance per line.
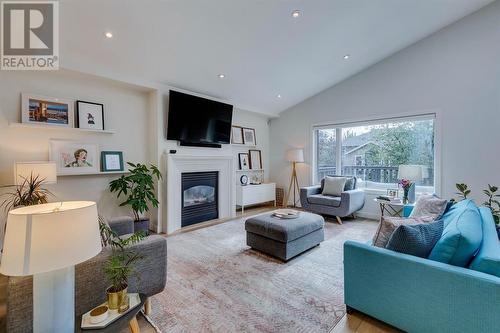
x=139 y=189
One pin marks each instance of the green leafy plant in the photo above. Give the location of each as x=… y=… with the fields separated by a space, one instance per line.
x=463 y=190
x=120 y=265
x=139 y=188
x=28 y=193
x=491 y=202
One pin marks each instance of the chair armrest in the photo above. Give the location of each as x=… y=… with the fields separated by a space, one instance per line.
x=417 y=294
x=353 y=200
x=310 y=190
x=122 y=225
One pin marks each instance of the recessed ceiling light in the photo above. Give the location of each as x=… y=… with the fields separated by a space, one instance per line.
x=279 y=96
x=296 y=13
x=347 y=56
x=108 y=34
x=221 y=76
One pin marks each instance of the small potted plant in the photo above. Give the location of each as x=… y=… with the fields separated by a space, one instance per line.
x=28 y=193
x=139 y=188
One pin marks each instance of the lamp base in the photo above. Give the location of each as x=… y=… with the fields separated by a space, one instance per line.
x=54 y=301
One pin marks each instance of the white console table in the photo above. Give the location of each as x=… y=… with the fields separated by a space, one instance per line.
x=255 y=194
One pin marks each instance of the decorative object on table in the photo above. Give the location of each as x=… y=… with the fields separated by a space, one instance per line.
x=244 y=161
x=88 y=321
x=244 y=180
x=111 y=161
x=249 y=136
x=286 y=213
x=73 y=157
x=43 y=110
x=29 y=178
x=294 y=156
x=29 y=251
x=255 y=159
x=139 y=188
x=90 y=115
x=237 y=135
x=98 y=314
x=280 y=195
x=408 y=175
x=392 y=192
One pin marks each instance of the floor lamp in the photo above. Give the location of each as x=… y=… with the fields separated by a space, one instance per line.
x=295 y=156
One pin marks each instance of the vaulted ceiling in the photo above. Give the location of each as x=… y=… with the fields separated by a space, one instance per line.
x=270 y=59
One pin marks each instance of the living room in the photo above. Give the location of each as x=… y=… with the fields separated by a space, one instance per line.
x=183 y=166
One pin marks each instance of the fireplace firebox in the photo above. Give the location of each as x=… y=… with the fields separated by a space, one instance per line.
x=199 y=197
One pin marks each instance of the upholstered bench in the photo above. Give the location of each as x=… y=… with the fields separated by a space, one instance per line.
x=284 y=238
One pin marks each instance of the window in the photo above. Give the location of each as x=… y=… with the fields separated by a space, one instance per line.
x=373 y=151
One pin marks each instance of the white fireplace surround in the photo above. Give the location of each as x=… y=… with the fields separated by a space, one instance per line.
x=178 y=164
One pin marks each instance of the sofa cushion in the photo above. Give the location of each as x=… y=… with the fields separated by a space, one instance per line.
x=417 y=240
x=325 y=200
x=387 y=226
x=334 y=186
x=429 y=206
x=488 y=258
x=350 y=183
x=462 y=235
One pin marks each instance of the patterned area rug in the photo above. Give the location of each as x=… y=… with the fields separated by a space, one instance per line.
x=215 y=283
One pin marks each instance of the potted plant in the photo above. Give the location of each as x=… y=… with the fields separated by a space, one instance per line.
x=139 y=188
x=120 y=265
x=28 y=193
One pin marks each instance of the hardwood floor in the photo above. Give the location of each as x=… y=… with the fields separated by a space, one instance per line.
x=360 y=323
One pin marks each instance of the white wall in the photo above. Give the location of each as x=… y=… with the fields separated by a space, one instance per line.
x=456 y=70
x=127 y=110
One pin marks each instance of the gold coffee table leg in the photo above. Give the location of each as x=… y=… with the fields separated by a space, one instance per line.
x=134 y=326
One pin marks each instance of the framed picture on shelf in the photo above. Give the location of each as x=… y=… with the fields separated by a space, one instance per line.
x=43 y=110
x=73 y=157
x=249 y=136
x=255 y=159
x=244 y=161
x=90 y=115
x=237 y=135
x=392 y=192
x=111 y=161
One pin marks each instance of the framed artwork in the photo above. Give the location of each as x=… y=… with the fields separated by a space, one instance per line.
x=90 y=115
x=237 y=135
x=111 y=161
x=73 y=157
x=43 y=110
x=255 y=159
x=249 y=136
x=392 y=192
x=244 y=161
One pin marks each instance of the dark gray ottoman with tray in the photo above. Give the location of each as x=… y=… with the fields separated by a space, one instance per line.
x=284 y=238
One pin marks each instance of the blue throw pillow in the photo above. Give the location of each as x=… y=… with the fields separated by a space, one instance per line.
x=488 y=258
x=417 y=240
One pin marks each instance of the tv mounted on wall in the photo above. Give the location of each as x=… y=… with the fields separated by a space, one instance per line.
x=196 y=121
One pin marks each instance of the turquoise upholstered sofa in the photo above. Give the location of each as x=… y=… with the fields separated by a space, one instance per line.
x=422 y=295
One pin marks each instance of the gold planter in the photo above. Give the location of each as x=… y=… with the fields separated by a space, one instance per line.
x=116 y=299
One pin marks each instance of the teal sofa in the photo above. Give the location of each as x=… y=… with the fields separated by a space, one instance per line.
x=422 y=295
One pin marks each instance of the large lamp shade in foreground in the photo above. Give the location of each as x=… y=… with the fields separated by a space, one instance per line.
x=47 y=241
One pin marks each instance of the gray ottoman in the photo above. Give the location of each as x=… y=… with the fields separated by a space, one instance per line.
x=284 y=238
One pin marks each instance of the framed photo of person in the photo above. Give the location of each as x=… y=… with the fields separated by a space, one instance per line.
x=90 y=115
x=49 y=111
x=237 y=135
x=255 y=159
x=111 y=161
x=249 y=136
x=73 y=157
x=244 y=161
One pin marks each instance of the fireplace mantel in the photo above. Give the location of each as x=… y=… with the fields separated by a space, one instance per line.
x=177 y=164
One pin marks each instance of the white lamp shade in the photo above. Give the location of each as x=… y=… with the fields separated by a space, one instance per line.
x=44 y=170
x=410 y=172
x=43 y=238
x=295 y=155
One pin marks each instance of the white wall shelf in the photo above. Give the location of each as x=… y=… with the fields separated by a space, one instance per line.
x=22 y=125
x=97 y=174
x=239 y=145
x=251 y=170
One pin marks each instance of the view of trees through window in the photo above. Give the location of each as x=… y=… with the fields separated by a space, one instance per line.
x=373 y=153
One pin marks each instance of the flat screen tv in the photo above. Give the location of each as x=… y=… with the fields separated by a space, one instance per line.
x=197 y=121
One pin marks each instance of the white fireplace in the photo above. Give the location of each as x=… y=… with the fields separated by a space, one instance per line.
x=178 y=164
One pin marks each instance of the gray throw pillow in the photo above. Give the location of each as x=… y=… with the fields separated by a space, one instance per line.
x=429 y=206
x=416 y=240
x=387 y=226
x=334 y=186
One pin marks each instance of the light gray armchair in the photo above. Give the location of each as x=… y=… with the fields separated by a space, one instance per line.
x=350 y=201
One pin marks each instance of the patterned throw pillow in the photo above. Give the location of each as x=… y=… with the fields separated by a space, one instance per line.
x=417 y=240
x=429 y=206
x=387 y=226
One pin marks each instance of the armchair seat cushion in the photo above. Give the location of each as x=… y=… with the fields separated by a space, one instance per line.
x=325 y=200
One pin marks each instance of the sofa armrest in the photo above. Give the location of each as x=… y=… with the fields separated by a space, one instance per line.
x=306 y=192
x=352 y=200
x=122 y=225
x=417 y=294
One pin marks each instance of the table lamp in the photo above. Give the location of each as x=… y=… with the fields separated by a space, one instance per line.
x=44 y=170
x=295 y=156
x=412 y=173
x=47 y=241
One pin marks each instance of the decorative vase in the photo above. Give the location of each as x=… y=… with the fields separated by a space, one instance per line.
x=116 y=299
x=406 y=191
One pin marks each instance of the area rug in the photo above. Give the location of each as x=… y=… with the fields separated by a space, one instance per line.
x=215 y=283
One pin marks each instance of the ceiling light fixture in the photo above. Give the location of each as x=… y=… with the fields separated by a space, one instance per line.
x=347 y=56
x=296 y=13
x=108 y=35
x=221 y=76
x=279 y=96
